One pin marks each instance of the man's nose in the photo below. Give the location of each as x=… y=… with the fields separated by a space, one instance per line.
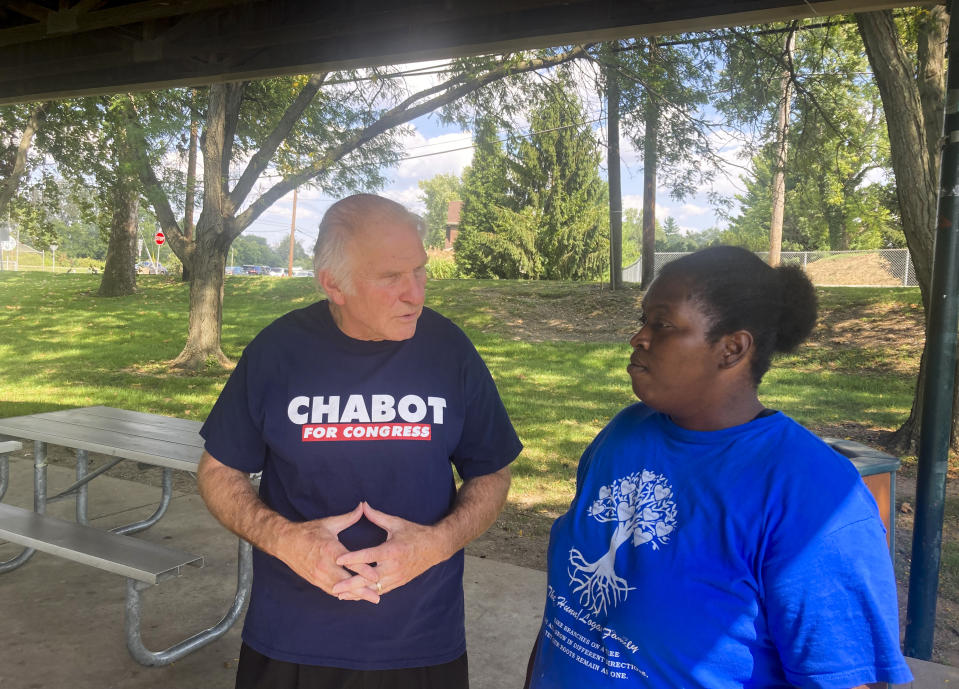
x=414 y=289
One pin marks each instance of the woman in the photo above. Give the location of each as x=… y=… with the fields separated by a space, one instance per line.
x=713 y=542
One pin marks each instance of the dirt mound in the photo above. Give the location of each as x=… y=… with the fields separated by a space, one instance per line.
x=853 y=269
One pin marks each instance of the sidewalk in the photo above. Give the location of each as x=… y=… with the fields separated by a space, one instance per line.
x=62 y=623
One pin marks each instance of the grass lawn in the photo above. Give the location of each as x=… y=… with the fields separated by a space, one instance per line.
x=558 y=352
x=61 y=347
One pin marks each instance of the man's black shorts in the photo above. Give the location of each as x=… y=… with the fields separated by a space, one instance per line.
x=257 y=671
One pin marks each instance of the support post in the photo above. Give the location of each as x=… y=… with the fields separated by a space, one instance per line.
x=936 y=423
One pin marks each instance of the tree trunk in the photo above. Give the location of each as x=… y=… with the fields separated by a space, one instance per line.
x=20 y=161
x=615 y=186
x=650 y=161
x=119 y=272
x=913 y=106
x=190 y=200
x=779 y=178
x=207 y=263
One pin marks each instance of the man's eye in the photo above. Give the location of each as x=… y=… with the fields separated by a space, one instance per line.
x=642 y=320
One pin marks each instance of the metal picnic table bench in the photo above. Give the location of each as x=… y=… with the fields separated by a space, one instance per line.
x=162 y=441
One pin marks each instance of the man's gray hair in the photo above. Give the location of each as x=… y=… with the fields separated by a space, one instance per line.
x=346 y=218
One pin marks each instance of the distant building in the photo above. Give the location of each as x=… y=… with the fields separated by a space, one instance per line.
x=453 y=222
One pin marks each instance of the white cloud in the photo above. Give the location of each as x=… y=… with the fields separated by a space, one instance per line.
x=408 y=196
x=427 y=157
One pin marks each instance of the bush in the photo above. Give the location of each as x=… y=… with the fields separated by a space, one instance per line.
x=441 y=266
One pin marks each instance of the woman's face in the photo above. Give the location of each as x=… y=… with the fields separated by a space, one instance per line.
x=673 y=368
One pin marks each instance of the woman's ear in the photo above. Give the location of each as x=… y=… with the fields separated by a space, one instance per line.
x=735 y=348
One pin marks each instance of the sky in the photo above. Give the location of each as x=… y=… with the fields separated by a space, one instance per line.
x=436 y=148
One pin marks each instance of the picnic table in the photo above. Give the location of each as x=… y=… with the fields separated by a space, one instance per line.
x=124 y=435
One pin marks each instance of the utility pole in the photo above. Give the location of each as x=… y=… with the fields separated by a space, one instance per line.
x=289 y=271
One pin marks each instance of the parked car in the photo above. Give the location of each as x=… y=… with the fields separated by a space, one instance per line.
x=234 y=270
x=302 y=273
x=250 y=270
x=278 y=272
x=150 y=268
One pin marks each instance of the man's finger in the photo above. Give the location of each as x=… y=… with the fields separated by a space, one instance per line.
x=366 y=571
x=338 y=522
x=381 y=519
x=356 y=559
x=352 y=585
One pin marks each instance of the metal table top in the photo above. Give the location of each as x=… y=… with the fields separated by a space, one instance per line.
x=150 y=438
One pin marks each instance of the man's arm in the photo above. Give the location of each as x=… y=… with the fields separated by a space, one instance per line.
x=309 y=548
x=410 y=548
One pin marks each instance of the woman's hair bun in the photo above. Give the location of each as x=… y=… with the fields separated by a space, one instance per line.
x=799 y=307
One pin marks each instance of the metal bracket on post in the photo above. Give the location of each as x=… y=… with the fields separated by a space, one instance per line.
x=132 y=616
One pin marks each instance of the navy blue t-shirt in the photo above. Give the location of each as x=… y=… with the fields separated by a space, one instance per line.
x=332 y=421
x=751 y=556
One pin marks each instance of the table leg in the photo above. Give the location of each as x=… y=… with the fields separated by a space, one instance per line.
x=83 y=464
x=39 y=477
x=4 y=474
x=132 y=617
x=165 y=498
x=39 y=501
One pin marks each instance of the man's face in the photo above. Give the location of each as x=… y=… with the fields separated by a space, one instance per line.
x=389 y=280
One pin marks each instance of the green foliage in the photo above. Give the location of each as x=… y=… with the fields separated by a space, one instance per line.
x=670 y=83
x=441 y=266
x=438 y=192
x=251 y=249
x=837 y=144
x=539 y=209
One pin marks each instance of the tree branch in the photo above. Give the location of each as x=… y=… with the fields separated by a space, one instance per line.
x=20 y=161
x=152 y=188
x=409 y=109
x=261 y=159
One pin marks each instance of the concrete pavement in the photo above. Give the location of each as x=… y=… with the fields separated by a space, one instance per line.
x=61 y=624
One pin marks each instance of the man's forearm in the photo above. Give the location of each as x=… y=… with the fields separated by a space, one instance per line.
x=478 y=503
x=231 y=498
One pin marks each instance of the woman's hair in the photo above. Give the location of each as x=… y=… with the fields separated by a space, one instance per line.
x=736 y=290
x=344 y=219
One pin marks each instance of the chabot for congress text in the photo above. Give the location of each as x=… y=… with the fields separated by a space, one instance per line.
x=365 y=417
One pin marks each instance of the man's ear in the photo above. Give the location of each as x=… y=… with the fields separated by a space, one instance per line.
x=330 y=286
x=735 y=348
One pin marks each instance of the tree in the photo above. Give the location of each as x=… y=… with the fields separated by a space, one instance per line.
x=664 y=82
x=538 y=209
x=328 y=130
x=13 y=156
x=438 y=192
x=483 y=191
x=557 y=172
x=910 y=75
x=836 y=139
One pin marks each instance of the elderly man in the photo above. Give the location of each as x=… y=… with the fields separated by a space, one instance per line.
x=355 y=409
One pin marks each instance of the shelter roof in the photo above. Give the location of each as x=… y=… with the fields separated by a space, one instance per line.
x=59 y=48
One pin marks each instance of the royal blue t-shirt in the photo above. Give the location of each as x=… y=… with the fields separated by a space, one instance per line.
x=332 y=421
x=752 y=556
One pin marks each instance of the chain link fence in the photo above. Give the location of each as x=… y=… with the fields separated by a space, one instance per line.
x=876 y=268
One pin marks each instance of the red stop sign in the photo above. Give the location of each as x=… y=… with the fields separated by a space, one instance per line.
x=159 y=238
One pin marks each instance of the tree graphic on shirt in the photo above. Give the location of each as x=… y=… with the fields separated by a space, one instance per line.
x=641 y=504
